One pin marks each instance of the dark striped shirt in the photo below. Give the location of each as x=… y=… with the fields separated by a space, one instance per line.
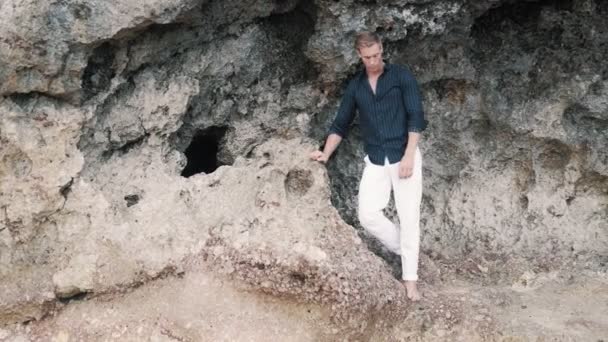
x=386 y=117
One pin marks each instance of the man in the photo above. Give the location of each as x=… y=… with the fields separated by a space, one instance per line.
x=391 y=120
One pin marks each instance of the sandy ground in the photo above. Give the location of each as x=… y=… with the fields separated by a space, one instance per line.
x=570 y=309
x=550 y=306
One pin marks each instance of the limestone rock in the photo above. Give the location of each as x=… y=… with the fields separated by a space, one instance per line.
x=104 y=105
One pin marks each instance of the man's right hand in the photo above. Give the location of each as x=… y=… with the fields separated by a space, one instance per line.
x=333 y=140
x=319 y=156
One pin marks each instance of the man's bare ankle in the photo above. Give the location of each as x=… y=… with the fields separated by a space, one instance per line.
x=411 y=289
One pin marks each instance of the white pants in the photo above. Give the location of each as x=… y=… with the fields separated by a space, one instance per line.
x=374 y=195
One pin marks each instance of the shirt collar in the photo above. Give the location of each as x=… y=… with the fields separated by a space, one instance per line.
x=387 y=68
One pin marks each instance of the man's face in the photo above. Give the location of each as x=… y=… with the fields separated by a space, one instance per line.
x=371 y=57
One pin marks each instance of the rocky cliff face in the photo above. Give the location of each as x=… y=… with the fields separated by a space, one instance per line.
x=135 y=137
x=514 y=157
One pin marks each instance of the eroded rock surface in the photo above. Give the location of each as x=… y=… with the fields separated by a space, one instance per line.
x=151 y=140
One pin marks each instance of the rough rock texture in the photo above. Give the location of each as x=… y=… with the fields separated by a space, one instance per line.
x=109 y=111
x=515 y=156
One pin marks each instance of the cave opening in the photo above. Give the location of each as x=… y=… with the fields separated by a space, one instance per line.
x=290 y=32
x=202 y=153
x=99 y=71
x=524 y=14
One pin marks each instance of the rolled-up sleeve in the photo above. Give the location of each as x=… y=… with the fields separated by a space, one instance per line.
x=412 y=100
x=346 y=112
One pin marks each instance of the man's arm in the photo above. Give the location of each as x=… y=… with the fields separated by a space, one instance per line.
x=332 y=142
x=406 y=166
x=340 y=126
x=412 y=99
x=415 y=122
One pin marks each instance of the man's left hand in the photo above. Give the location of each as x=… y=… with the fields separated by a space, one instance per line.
x=406 y=166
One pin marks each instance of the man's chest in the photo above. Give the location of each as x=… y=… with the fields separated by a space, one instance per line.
x=373 y=94
x=373 y=82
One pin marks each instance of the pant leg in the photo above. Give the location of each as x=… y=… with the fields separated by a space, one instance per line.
x=374 y=194
x=408 y=197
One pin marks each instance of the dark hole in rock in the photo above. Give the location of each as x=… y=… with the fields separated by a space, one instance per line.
x=132 y=200
x=524 y=202
x=202 y=153
x=66 y=188
x=569 y=200
x=291 y=32
x=99 y=71
x=73 y=297
x=24 y=100
x=520 y=26
x=523 y=13
x=298 y=181
x=299 y=277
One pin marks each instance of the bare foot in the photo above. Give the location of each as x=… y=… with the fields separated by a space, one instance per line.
x=412 y=290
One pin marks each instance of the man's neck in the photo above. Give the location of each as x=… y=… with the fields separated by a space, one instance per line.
x=371 y=74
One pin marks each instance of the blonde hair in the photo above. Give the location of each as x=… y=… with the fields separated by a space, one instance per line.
x=366 y=39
